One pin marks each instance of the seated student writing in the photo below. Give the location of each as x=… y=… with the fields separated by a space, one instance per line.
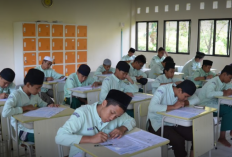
x=7 y=86
x=79 y=79
x=105 y=68
x=166 y=78
x=117 y=81
x=135 y=71
x=50 y=75
x=166 y=98
x=93 y=123
x=203 y=73
x=219 y=86
x=158 y=68
x=130 y=56
x=158 y=58
x=193 y=64
x=26 y=99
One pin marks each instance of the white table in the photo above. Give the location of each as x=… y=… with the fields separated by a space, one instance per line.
x=4 y=126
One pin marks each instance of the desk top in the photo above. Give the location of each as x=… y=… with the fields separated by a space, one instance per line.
x=104 y=75
x=87 y=91
x=25 y=119
x=145 y=94
x=50 y=83
x=175 y=74
x=2 y=103
x=102 y=151
x=207 y=111
x=224 y=97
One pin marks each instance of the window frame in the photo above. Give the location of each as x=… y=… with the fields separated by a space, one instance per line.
x=177 y=36
x=147 y=36
x=214 y=37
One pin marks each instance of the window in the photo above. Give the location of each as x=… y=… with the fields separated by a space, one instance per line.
x=214 y=37
x=146 y=36
x=177 y=36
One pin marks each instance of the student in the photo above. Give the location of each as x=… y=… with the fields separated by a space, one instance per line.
x=193 y=65
x=50 y=75
x=158 y=68
x=158 y=58
x=84 y=125
x=7 y=86
x=78 y=79
x=130 y=56
x=116 y=81
x=219 y=86
x=166 y=78
x=166 y=98
x=135 y=71
x=203 y=73
x=105 y=68
x=26 y=99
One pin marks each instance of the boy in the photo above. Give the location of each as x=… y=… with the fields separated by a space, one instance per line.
x=84 y=125
x=166 y=98
x=78 y=79
x=158 y=68
x=193 y=65
x=7 y=86
x=203 y=73
x=158 y=58
x=166 y=78
x=130 y=56
x=219 y=86
x=26 y=99
x=50 y=75
x=116 y=81
x=105 y=68
x=135 y=71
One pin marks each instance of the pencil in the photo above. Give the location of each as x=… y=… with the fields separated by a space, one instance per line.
x=97 y=129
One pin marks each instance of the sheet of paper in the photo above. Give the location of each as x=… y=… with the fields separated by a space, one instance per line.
x=105 y=75
x=57 y=80
x=186 y=112
x=86 y=88
x=230 y=96
x=46 y=112
x=3 y=99
x=192 y=110
x=138 y=97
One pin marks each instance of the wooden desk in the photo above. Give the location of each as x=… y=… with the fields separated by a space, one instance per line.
x=176 y=75
x=153 y=151
x=53 y=86
x=4 y=128
x=203 y=129
x=45 y=130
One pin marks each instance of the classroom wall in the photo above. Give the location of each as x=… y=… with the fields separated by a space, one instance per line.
x=102 y=18
x=194 y=14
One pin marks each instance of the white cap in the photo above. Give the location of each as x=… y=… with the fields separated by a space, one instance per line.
x=47 y=58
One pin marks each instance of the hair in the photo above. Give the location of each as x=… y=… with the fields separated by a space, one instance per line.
x=25 y=82
x=167 y=69
x=140 y=59
x=161 y=49
x=224 y=71
x=115 y=103
x=168 y=59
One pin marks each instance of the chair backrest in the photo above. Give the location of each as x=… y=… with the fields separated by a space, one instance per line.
x=60 y=92
x=60 y=150
x=142 y=114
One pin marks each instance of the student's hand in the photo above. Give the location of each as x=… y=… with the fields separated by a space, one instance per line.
x=105 y=72
x=99 y=137
x=29 y=108
x=178 y=82
x=178 y=104
x=227 y=92
x=209 y=77
x=118 y=132
x=50 y=79
x=166 y=53
x=96 y=84
x=130 y=94
x=53 y=105
x=4 y=96
x=109 y=72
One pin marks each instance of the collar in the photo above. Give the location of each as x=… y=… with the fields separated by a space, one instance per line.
x=21 y=90
x=115 y=78
x=131 y=66
x=172 y=91
x=219 y=81
x=98 y=118
x=78 y=81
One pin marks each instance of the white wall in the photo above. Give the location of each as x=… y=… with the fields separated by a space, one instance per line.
x=194 y=14
x=101 y=16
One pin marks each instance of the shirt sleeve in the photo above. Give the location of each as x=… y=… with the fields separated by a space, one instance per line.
x=56 y=75
x=104 y=90
x=190 y=69
x=212 y=73
x=152 y=73
x=98 y=71
x=10 y=108
x=12 y=88
x=157 y=82
x=123 y=58
x=130 y=88
x=141 y=73
x=67 y=134
x=127 y=121
x=196 y=74
x=69 y=84
x=193 y=100
x=211 y=91
x=228 y=86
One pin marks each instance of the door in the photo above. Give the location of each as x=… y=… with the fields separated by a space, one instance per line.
x=57 y=44
x=81 y=44
x=70 y=31
x=44 y=30
x=69 y=44
x=57 y=57
x=58 y=69
x=69 y=69
x=29 y=58
x=28 y=29
x=69 y=57
x=44 y=44
x=57 y=30
x=29 y=44
x=81 y=56
x=81 y=31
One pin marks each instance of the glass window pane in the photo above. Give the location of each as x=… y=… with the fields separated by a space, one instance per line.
x=206 y=36
x=221 y=37
x=183 y=36
x=152 y=37
x=170 y=36
x=142 y=33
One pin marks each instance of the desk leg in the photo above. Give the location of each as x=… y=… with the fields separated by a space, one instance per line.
x=5 y=135
x=145 y=88
x=203 y=134
x=151 y=153
x=217 y=125
x=71 y=98
x=54 y=88
x=45 y=132
x=92 y=97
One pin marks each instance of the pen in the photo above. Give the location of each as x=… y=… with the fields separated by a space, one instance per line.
x=98 y=145
x=97 y=129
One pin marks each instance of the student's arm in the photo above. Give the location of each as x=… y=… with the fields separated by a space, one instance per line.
x=40 y=102
x=197 y=76
x=190 y=69
x=104 y=89
x=56 y=75
x=94 y=82
x=131 y=87
x=12 y=88
x=98 y=71
x=10 y=108
x=157 y=82
x=192 y=100
x=211 y=91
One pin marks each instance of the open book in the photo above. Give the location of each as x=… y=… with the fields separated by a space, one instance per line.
x=186 y=112
x=57 y=80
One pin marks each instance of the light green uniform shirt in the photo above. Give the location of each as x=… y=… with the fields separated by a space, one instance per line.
x=156 y=70
x=163 y=79
x=101 y=69
x=73 y=82
x=163 y=97
x=16 y=101
x=9 y=89
x=82 y=123
x=48 y=73
x=190 y=67
x=155 y=60
x=201 y=73
x=214 y=87
x=134 y=72
x=112 y=82
x=128 y=58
